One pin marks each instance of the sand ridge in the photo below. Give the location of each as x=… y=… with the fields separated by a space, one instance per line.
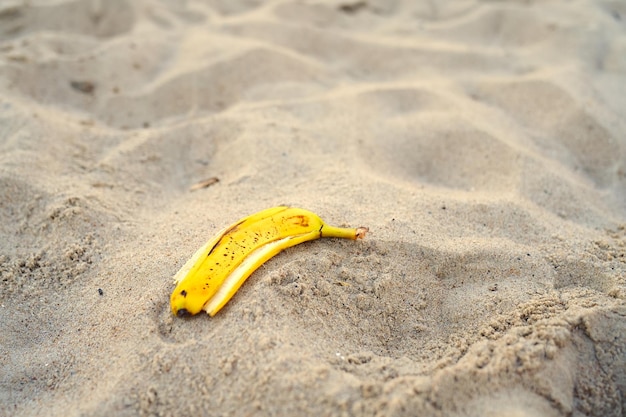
x=481 y=142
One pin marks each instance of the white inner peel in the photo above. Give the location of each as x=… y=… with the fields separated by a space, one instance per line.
x=239 y=274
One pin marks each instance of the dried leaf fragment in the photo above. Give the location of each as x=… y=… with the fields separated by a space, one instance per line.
x=204 y=184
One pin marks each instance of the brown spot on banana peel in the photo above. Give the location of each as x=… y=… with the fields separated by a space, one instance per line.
x=299 y=220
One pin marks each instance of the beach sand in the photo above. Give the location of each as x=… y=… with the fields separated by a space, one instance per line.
x=482 y=142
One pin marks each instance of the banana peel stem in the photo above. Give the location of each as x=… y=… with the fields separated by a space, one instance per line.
x=343 y=232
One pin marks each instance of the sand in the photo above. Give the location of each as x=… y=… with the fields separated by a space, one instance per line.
x=482 y=142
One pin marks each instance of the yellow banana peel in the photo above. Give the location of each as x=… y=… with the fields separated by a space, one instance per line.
x=215 y=272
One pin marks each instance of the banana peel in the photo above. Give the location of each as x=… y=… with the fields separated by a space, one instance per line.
x=211 y=277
